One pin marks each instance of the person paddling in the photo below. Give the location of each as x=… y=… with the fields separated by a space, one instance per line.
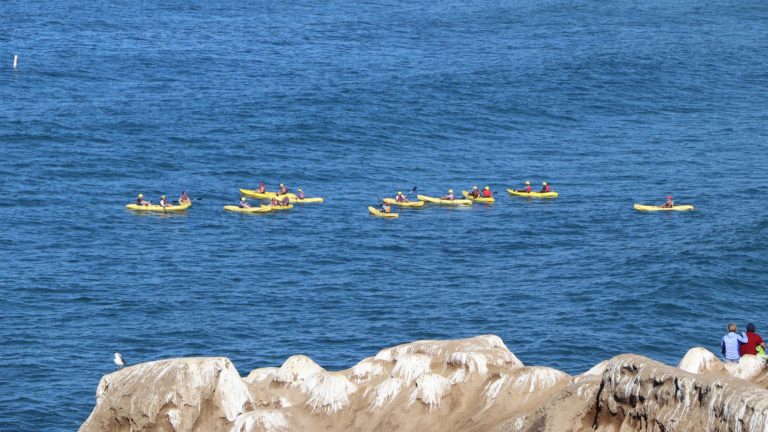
x=300 y=194
x=401 y=197
x=527 y=187
x=475 y=193
x=184 y=199
x=487 y=192
x=140 y=201
x=545 y=187
x=385 y=207
x=450 y=197
x=244 y=203
x=670 y=202
x=163 y=201
x=262 y=188
x=283 y=190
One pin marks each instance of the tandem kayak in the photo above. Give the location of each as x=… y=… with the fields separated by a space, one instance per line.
x=248 y=210
x=265 y=195
x=456 y=202
x=381 y=214
x=640 y=207
x=158 y=208
x=393 y=201
x=484 y=200
x=533 y=194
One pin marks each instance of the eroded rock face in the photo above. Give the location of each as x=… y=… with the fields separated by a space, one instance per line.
x=473 y=384
x=170 y=395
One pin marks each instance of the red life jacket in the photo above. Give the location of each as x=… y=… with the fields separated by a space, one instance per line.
x=546 y=188
x=487 y=193
x=528 y=188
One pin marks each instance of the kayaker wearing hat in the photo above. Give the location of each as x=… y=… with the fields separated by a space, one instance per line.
x=401 y=197
x=753 y=341
x=545 y=187
x=283 y=190
x=670 y=202
x=163 y=201
x=140 y=201
x=475 y=193
x=262 y=188
x=527 y=188
x=300 y=194
x=450 y=197
x=243 y=203
x=487 y=192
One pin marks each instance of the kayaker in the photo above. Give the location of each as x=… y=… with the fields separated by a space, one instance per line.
x=545 y=187
x=670 y=202
x=283 y=190
x=401 y=197
x=243 y=203
x=385 y=207
x=475 y=192
x=140 y=201
x=262 y=188
x=163 y=201
x=300 y=194
x=753 y=341
x=527 y=188
x=729 y=346
x=450 y=197
x=184 y=199
x=487 y=192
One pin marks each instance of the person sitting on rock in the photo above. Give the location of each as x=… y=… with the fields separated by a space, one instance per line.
x=729 y=346
x=753 y=341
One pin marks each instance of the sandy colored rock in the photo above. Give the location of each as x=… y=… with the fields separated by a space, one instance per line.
x=473 y=384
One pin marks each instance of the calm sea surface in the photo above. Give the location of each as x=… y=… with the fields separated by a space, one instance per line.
x=613 y=103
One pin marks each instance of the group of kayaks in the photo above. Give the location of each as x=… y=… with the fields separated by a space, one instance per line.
x=469 y=199
x=278 y=201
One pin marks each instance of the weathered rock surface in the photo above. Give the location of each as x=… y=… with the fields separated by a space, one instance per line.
x=473 y=384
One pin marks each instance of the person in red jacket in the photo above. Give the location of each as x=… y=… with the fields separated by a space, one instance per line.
x=487 y=192
x=527 y=187
x=753 y=341
x=545 y=187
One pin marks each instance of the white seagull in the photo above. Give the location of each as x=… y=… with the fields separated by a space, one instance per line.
x=119 y=361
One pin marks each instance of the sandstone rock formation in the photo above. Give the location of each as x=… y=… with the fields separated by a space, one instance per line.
x=473 y=384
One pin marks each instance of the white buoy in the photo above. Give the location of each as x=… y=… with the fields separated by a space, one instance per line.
x=15 y=61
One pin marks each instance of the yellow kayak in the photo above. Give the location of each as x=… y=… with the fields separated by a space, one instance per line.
x=640 y=207
x=393 y=201
x=456 y=202
x=481 y=199
x=265 y=195
x=552 y=194
x=380 y=213
x=158 y=208
x=278 y=207
x=248 y=210
x=297 y=200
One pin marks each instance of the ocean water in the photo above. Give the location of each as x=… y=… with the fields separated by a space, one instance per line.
x=613 y=103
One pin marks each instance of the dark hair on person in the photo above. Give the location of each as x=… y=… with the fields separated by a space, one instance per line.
x=751 y=328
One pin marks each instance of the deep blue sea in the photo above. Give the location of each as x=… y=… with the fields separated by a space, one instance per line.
x=614 y=103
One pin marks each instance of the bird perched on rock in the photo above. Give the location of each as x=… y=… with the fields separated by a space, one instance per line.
x=119 y=361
